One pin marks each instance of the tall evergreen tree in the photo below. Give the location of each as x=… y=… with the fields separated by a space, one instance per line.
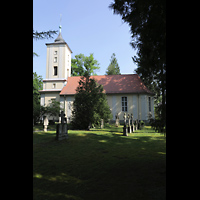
x=113 y=67
x=90 y=104
x=147 y=19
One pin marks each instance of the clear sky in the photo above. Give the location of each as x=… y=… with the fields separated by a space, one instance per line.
x=88 y=26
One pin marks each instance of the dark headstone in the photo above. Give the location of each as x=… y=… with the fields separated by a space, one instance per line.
x=125 y=131
x=61 y=129
x=132 y=124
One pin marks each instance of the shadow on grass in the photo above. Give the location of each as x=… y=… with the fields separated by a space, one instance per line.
x=99 y=164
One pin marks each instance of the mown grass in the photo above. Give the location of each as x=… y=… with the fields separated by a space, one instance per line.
x=99 y=164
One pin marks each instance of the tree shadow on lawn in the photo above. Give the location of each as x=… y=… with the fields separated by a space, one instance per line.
x=96 y=166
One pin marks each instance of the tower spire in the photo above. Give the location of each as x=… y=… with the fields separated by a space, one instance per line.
x=60 y=22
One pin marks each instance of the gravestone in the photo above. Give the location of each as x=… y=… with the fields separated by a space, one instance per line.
x=90 y=125
x=61 y=128
x=46 y=123
x=125 y=131
x=129 y=125
x=132 y=124
x=117 y=120
x=102 y=123
x=62 y=115
x=139 y=125
x=124 y=118
x=136 y=124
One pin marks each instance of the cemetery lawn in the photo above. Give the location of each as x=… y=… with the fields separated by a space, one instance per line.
x=99 y=164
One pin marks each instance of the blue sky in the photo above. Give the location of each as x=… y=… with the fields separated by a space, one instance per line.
x=88 y=26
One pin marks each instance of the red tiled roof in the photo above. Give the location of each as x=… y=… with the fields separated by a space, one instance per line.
x=130 y=83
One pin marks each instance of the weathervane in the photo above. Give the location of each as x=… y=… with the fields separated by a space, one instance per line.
x=60 y=22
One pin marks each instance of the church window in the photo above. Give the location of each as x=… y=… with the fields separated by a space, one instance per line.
x=54 y=85
x=124 y=104
x=55 y=71
x=55 y=52
x=55 y=59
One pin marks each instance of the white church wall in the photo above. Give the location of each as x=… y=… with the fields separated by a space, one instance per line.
x=144 y=102
x=42 y=99
x=134 y=106
x=49 y=64
x=68 y=107
x=61 y=61
x=114 y=106
x=67 y=57
x=152 y=107
x=54 y=85
x=137 y=105
x=52 y=95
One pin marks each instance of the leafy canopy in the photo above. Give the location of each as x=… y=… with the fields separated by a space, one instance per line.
x=82 y=64
x=37 y=85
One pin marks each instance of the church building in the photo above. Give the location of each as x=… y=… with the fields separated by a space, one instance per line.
x=125 y=93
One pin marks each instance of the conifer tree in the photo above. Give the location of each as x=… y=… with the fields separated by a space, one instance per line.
x=113 y=68
x=147 y=21
x=90 y=104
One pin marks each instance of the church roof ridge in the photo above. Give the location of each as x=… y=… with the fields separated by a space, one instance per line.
x=123 y=83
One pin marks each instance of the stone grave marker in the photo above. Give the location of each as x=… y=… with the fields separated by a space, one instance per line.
x=61 y=128
x=102 y=123
x=129 y=125
x=132 y=124
x=117 y=120
x=46 y=123
x=125 y=131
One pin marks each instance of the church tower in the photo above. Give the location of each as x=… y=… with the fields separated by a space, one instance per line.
x=58 y=63
x=58 y=69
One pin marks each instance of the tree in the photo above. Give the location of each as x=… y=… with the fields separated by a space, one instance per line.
x=113 y=68
x=90 y=104
x=80 y=64
x=53 y=108
x=42 y=35
x=147 y=19
x=37 y=85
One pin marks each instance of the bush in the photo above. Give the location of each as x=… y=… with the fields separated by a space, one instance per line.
x=158 y=125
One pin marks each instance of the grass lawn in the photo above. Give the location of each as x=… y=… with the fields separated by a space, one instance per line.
x=100 y=164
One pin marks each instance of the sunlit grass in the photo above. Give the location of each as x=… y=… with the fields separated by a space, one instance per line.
x=99 y=164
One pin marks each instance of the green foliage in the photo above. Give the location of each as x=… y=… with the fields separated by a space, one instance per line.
x=82 y=64
x=113 y=68
x=53 y=108
x=42 y=35
x=157 y=124
x=147 y=19
x=37 y=85
x=90 y=104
